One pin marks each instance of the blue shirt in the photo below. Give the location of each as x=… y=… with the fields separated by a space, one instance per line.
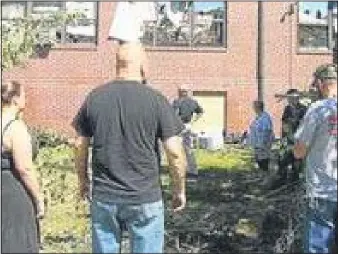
x=261 y=135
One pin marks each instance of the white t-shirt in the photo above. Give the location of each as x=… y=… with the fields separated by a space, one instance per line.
x=129 y=19
x=319 y=132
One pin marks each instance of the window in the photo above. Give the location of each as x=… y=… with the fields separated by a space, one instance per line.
x=187 y=23
x=11 y=11
x=317 y=25
x=81 y=30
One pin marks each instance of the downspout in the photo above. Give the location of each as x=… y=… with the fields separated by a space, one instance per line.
x=330 y=22
x=260 y=51
x=291 y=12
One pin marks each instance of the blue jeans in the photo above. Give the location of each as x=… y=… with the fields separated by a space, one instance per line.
x=144 y=222
x=192 y=165
x=319 y=227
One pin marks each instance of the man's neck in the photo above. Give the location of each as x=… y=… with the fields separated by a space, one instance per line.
x=129 y=78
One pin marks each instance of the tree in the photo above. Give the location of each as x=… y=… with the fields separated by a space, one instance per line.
x=23 y=38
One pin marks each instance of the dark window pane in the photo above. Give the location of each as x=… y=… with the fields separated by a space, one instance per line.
x=313 y=36
x=44 y=9
x=313 y=25
x=173 y=26
x=186 y=23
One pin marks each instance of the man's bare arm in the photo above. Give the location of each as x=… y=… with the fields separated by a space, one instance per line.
x=22 y=155
x=300 y=150
x=177 y=165
x=81 y=145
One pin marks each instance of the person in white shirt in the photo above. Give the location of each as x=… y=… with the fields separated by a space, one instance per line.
x=316 y=141
x=129 y=19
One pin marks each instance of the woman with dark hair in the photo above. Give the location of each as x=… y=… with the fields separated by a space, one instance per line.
x=20 y=194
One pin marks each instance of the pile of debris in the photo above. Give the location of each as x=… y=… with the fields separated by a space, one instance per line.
x=234 y=213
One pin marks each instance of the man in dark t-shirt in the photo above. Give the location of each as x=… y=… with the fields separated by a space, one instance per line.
x=292 y=116
x=189 y=111
x=186 y=107
x=125 y=119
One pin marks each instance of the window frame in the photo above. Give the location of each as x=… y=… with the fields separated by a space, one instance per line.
x=25 y=6
x=192 y=46
x=9 y=20
x=311 y=50
x=63 y=43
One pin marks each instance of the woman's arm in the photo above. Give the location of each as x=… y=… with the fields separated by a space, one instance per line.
x=22 y=155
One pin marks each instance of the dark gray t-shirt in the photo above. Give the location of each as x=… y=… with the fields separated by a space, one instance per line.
x=186 y=107
x=126 y=119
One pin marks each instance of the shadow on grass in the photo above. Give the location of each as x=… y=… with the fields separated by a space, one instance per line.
x=225 y=213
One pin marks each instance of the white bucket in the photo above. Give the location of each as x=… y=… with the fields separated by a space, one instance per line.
x=212 y=140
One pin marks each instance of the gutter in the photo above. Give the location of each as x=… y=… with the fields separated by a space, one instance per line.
x=260 y=52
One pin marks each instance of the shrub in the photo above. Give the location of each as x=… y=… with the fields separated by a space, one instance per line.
x=65 y=227
x=47 y=138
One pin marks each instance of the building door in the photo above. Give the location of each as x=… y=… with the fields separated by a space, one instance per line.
x=214 y=117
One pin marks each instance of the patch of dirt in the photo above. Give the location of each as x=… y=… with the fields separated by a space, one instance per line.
x=230 y=213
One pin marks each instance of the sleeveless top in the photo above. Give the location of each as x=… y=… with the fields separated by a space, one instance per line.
x=7 y=162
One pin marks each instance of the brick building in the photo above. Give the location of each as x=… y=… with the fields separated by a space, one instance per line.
x=220 y=65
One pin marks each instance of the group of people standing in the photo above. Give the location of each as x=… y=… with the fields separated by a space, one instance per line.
x=261 y=137
x=124 y=119
x=126 y=191
x=311 y=147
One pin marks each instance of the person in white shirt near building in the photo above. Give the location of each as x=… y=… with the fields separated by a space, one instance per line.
x=316 y=140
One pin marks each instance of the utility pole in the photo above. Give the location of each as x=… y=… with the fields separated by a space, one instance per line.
x=260 y=51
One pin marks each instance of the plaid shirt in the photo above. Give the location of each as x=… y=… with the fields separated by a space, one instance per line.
x=261 y=135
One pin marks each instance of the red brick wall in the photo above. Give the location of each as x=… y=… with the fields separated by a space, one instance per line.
x=56 y=86
x=285 y=66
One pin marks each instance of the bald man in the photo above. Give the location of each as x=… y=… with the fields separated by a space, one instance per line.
x=125 y=119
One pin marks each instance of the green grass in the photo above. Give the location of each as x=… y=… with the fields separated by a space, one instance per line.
x=66 y=226
x=225 y=160
x=231 y=158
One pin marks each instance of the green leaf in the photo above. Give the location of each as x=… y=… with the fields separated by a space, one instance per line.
x=19 y=39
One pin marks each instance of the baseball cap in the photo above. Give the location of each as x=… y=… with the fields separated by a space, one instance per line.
x=326 y=71
x=293 y=92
